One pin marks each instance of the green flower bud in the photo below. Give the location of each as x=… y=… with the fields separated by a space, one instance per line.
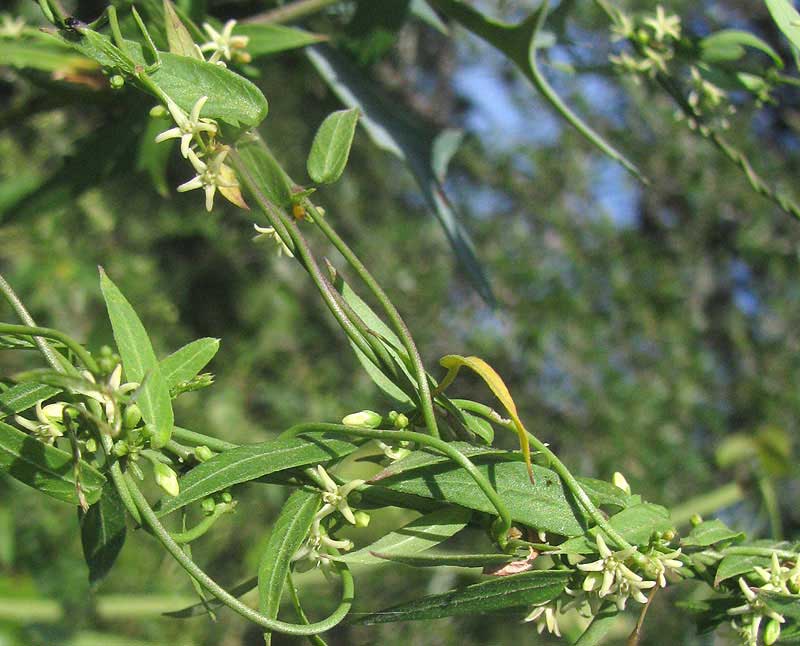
x=226 y=497
x=166 y=478
x=116 y=82
x=208 y=505
x=203 y=453
x=400 y=421
x=121 y=448
x=363 y=419
x=362 y=518
x=159 y=112
x=772 y=632
x=91 y=445
x=619 y=481
x=131 y=417
x=669 y=535
x=695 y=520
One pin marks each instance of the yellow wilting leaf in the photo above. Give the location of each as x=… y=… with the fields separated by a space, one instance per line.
x=454 y=362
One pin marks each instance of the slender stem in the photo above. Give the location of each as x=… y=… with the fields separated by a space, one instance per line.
x=48 y=333
x=767 y=488
x=298 y=609
x=501 y=528
x=189 y=535
x=290 y=12
x=198 y=439
x=18 y=307
x=391 y=312
x=745 y=550
x=182 y=452
x=223 y=595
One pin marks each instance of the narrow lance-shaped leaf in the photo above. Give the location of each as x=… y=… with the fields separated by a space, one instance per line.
x=140 y=363
x=787 y=18
x=103 y=533
x=330 y=149
x=729 y=45
x=247 y=463
x=267 y=39
x=513 y=591
x=22 y=396
x=184 y=364
x=178 y=37
x=419 y=535
x=288 y=534
x=454 y=363
x=46 y=468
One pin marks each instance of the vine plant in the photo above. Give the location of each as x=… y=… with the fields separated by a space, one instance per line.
x=91 y=425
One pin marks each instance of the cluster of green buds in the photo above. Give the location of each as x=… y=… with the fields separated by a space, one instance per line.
x=319 y=547
x=749 y=617
x=653 y=37
x=370 y=419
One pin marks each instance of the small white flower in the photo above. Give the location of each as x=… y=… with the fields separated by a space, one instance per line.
x=50 y=419
x=777 y=578
x=748 y=617
x=225 y=45
x=166 y=478
x=11 y=27
x=210 y=176
x=395 y=453
x=609 y=576
x=545 y=616
x=106 y=394
x=270 y=234
x=335 y=497
x=664 y=26
x=188 y=127
x=623 y=27
x=659 y=564
x=619 y=481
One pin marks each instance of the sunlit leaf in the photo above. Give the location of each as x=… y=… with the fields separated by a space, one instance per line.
x=331 y=146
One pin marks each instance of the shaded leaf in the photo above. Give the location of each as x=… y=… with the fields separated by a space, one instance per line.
x=22 y=396
x=737 y=564
x=496 y=594
x=139 y=362
x=267 y=39
x=152 y=158
x=417 y=536
x=103 y=532
x=729 y=45
x=437 y=559
x=46 y=468
x=184 y=364
x=330 y=149
x=287 y=535
x=246 y=463
x=178 y=37
x=596 y=631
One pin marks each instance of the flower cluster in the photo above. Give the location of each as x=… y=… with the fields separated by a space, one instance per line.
x=709 y=103
x=749 y=616
x=224 y=45
x=317 y=548
x=50 y=422
x=653 y=37
x=11 y=26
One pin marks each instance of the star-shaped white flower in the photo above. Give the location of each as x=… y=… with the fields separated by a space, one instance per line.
x=335 y=497
x=271 y=234
x=188 y=127
x=546 y=616
x=609 y=576
x=750 y=615
x=210 y=176
x=224 y=44
x=49 y=426
x=664 y=25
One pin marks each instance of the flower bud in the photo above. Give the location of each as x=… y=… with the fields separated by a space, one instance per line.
x=363 y=419
x=203 y=453
x=362 y=518
x=696 y=519
x=131 y=417
x=772 y=632
x=166 y=478
x=116 y=82
x=91 y=445
x=619 y=481
x=121 y=448
x=226 y=497
x=208 y=505
x=159 y=112
x=399 y=420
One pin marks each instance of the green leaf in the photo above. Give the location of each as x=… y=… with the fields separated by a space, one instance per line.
x=267 y=173
x=488 y=596
x=482 y=428
x=545 y=505
x=246 y=463
x=288 y=533
x=44 y=56
x=267 y=39
x=787 y=18
x=178 y=37
x=184 y=364
x=103 y=533
x=438 y=559
x=152 y=157
x=604 y=493
x=419 y=535
x=22 y=396
x=46 y=468
x=596 y=631
x=709 y=533
x=424 y=458
x=330 y=149
x=729 y=45
x=737 y=564
x=140 y=363
x=395 y=133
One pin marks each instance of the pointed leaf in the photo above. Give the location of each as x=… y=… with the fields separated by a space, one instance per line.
x=103 y=533
x=787 y=18
x=330 y=149
x=709 y=533
x=46 y=468
x=267 y=39
x=419 y=535
x=184 y=364
x=22 y=396
x=437 y=559
x=178 y=37
x=246 y=463
x=513 y=591
x=729 y=45
x=736 y=565
x=288 y=533
x=139 y=362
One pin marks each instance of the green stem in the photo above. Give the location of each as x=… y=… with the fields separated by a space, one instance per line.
x=504 y=521
x=767 y=488
x=48 y=333
x=391 y=312
x=183 y=453
x=18 y=307
x=744 y=550
x=189 y=535
x=298 y=609
x=198 y=439
x=223 y=595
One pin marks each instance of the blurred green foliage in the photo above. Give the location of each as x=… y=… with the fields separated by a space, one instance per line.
x=638 y=327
